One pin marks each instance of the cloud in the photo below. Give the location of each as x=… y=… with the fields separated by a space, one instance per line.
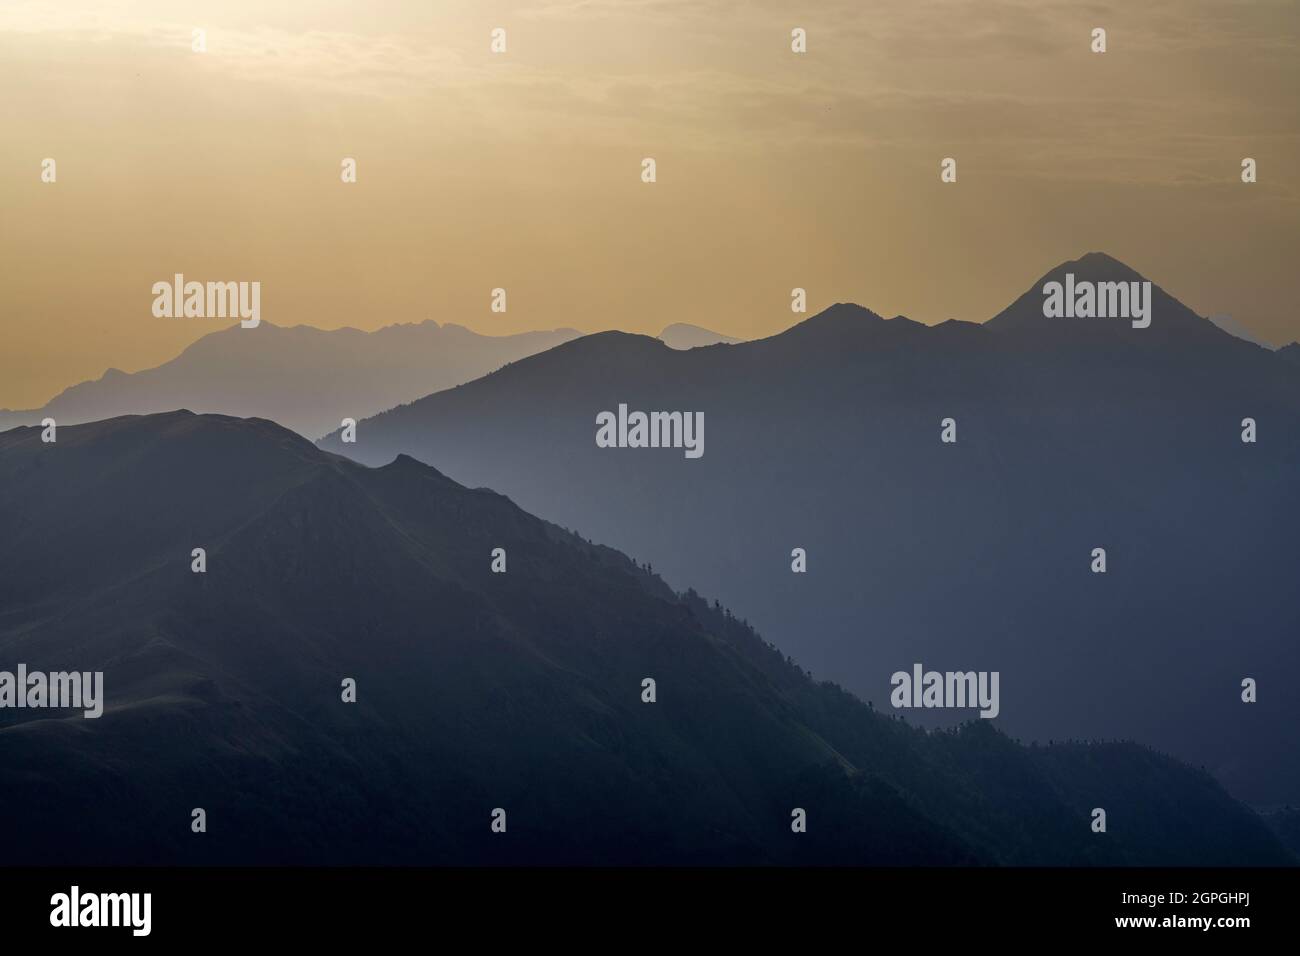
x=1187 y=86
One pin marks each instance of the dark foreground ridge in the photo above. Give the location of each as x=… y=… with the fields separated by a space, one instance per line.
x=475 y=690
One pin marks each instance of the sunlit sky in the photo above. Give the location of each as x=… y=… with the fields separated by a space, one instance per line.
x=522 y=170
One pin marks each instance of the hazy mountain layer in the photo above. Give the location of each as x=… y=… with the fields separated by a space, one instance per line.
x=306 y=379
x=680 y=335
x=475 y=690
x=1072 y=434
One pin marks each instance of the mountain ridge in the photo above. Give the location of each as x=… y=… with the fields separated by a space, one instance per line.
x=474 y=690
x=828 y=437
x=683 y=335
x=308 y=379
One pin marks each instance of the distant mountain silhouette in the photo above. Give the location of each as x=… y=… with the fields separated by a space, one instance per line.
x=475 y=690
x=680 y=335
x=1230 y=325
x=1072 y=434
x=1172 y=321
x=1290 y=353
x=306 y=379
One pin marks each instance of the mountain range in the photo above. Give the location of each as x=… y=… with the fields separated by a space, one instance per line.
x=522 y=691
x=306 y=379
x=1071 y=435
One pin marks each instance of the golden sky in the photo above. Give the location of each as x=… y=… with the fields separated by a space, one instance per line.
x=522 y=170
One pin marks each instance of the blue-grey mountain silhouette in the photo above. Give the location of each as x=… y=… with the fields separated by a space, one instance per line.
x=1072 y=434
x=475 y=690
x=682 y=335
x=1230 y=325
x=306 y=379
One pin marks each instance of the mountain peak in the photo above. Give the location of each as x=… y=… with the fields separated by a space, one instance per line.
x=683 y=335
x=842 y=311
x=846 y=325
x=840 y=314
x=1101 y=261
x=1098 y=295
x=612 y=341
x=1094 y=267
x=301 y=376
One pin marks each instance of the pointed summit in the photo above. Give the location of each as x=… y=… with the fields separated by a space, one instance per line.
x=1101 y=262
x=1097 y=297
x=845 y=329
